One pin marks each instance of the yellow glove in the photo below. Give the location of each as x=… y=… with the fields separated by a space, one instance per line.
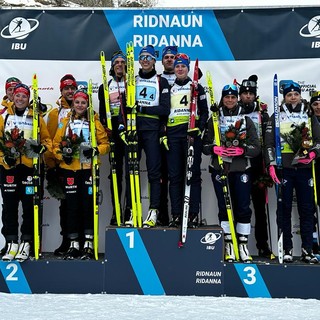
x=164 y=141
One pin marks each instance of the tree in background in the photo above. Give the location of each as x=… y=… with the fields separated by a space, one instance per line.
x=85 y=3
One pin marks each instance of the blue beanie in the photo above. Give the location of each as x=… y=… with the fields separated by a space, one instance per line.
x=149 y=49
x=118 y=54
x=293 y=87
x=169 y=50
x=230 y=89
x=182 y=58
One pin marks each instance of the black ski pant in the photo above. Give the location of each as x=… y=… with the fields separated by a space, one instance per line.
x=258 y=197
x=79 y=202
x=16 y=186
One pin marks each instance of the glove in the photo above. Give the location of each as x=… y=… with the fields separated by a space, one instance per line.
x=220 y=151
x=67 y=159
x=42 y=107
x=234 y=151
x=193 y=133
x=228 y=152
x=10 y=161
x=311 y=156
x=273 y=175
x=214 y=107
x=91 y=152
x=164 y=141
x=123 y=134
x=38 y=148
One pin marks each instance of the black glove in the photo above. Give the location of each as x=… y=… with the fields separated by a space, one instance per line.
x=195 y=132
x=10 y=161
x=67 y=159
x=42 y=107
x=90 y=153
x=214 y=107
x=38 y=148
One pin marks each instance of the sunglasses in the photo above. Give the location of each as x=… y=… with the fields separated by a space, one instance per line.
x=145 y=58
x=285 y=84
x=230 y=87
x=167 y=57
x=248 y=83
x=13 y=79
x=182 y=56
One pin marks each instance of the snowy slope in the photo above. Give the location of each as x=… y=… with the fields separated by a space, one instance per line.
x=128 y=307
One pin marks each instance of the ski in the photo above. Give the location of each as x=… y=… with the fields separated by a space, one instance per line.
x=190 y=156
x=95 y=174
x=266 y=194
x=111 y=140
x=279 y=165
x=223 y=176
x=36 y=167
x=317 y=211
x=134 y=172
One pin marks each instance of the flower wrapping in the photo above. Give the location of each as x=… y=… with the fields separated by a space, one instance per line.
x=235 y=135
x=70 y=144
x=12 y=143
x=299 y=140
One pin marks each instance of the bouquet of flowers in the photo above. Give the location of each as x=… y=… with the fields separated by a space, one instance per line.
x=70 y=144
x=299 y=140
x=235 y=136
x=12 y=143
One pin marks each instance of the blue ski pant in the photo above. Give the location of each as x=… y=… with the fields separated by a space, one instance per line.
x=176 y=159
x=301 y=180
x=240 y=189
x=148 y=140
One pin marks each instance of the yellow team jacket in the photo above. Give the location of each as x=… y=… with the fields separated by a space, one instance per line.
x=53 y=116
x=52 y=125
x=102 y=144
x=44 y=139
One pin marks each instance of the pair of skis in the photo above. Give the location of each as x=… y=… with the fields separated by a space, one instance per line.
x=190 y=156
x=223 y=176
x=95 y=174
x=279 y=166
x=133 y=139
x=111 y=140
x=36 y=168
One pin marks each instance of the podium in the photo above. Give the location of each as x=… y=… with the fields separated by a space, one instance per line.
x=149 y=261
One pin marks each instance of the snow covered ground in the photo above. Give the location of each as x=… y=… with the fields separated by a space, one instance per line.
x=125 y=307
